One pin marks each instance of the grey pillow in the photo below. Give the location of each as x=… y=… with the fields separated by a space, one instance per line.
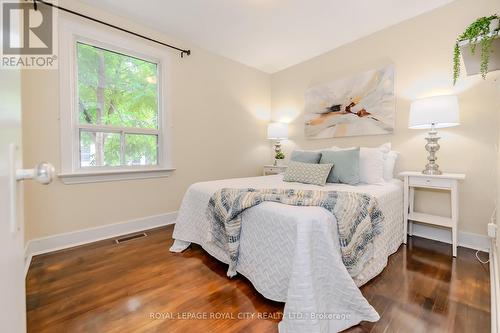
x=307 y=173
x=346 y=165
x=305 y=156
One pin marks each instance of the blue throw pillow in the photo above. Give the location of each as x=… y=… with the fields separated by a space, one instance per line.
x=305 y=156
x=345 y=165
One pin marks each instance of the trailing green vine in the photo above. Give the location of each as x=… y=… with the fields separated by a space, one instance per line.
x=479 y=28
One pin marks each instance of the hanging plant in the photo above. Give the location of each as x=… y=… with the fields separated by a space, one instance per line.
x=479 y=28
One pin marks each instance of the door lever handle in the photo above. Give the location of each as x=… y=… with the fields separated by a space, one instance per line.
x=43 y=173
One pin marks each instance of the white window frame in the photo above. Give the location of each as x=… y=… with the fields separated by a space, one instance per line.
x=72 y=31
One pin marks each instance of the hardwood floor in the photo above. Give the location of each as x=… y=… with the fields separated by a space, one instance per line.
x=139 y=286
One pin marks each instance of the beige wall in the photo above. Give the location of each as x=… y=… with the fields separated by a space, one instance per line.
x=220 y=110
x=421 y=50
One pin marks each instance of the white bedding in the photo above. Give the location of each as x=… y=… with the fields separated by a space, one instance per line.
x=291 y=254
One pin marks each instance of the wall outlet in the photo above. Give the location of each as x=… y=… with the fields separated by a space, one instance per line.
x=492 y=230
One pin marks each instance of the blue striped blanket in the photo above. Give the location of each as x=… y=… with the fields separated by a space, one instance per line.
x=359 y=219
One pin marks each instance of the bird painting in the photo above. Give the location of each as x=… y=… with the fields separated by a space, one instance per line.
x=363 y=104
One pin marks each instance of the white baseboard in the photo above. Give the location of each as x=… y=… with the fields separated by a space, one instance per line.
x=76 y=238
x=465 y=239
x=85 y=236
x=495 y=287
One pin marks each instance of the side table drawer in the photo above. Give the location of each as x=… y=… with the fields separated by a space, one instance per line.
x=430 y=182
x=274 y=170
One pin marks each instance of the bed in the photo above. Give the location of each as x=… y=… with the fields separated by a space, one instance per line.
x=291 y=254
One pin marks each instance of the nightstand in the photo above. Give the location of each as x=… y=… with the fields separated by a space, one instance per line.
x=274 y=169
x=447 y=182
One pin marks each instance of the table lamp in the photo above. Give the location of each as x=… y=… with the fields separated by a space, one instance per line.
x=278 y=132
x=432 y=113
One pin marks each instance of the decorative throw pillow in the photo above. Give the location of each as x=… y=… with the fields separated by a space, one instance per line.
x=305 y=156
x=307 y=173
x=346 y=165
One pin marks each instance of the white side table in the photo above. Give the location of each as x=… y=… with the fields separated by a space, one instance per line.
x=446 y=181
x=274 y=169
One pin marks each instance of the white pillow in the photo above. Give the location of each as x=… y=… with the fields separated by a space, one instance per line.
x=372 y=163
x=389 y=163
x=385 y=148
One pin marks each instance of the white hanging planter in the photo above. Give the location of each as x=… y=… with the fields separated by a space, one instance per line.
x=495 y=25
x=473 y=61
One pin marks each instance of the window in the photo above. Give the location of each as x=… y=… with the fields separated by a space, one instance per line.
x=113 y=118
x=118 y=108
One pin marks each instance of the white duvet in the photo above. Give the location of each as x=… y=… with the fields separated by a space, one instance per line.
x=291 y=254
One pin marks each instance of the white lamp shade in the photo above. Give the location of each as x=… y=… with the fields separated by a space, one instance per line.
x=442 y=111
x=277 y=131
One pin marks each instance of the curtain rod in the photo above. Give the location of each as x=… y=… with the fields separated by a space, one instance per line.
x=182 y=51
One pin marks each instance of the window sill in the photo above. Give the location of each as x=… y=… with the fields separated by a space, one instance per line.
x=112 y=175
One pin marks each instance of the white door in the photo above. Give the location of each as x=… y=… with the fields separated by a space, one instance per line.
x=12 y=266
x=12 y=293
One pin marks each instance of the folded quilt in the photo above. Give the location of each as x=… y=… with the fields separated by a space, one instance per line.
x=358 y=219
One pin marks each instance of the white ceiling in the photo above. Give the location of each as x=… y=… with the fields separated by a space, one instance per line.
x=268 y=34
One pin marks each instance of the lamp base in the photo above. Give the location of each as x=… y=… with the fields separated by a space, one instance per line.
x=277 y=149
x=432 y=172
x=432 y=146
